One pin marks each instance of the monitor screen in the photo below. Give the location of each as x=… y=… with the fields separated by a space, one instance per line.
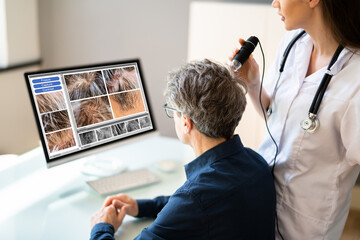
x=79 y=109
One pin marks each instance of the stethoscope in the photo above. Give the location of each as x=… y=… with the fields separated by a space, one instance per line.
x=311 y=123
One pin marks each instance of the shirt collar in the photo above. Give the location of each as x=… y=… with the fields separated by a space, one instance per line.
x=212 y=155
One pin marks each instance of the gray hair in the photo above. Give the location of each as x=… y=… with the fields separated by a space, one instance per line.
x=210 y=95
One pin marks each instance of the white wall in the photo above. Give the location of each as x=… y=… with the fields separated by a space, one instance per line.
x=3 y=37
x=17 y=123
x=19 y=43
x=19 y=32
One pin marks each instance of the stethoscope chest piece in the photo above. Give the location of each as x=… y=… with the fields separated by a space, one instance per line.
x=310 y=124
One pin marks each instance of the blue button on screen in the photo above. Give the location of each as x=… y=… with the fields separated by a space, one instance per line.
x=49 y=84
x=50 y=89
x=48 y=79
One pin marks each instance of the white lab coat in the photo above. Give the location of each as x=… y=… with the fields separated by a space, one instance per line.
x=314 y=173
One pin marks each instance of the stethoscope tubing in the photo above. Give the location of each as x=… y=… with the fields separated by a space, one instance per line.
x=314 y=108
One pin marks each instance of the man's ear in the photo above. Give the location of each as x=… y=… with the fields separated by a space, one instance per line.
x=187 y=124
x=313 y=3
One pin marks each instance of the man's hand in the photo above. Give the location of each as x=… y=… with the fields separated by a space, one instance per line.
x=123 y=202
x=110 y=214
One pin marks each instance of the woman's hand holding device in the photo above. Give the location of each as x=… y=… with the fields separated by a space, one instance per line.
x=249 y=72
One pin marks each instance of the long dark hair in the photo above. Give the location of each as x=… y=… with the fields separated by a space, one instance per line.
x=344 y=20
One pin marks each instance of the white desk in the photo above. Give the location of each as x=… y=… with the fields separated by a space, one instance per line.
x=40 y=203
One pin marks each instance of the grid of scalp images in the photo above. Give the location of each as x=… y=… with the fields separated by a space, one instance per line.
x=55 y=121
x=99 y=96
x=91 y=107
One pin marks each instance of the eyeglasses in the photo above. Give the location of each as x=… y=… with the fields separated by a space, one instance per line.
x=170 y=112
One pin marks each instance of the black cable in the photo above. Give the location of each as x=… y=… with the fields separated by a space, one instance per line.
x=268 y=130
x=264 y=114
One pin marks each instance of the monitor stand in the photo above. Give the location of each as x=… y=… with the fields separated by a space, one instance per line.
x=99 y=166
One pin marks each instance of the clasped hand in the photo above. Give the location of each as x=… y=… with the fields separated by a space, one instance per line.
x=114 y=210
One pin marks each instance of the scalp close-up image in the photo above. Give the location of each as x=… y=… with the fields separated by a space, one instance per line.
x=127 y=103
x=145 y=122
x=104 y=133
x=121 y=79
x=91 y=111
x=87 y=137
x=118 y=129
x=60 y=140
x=132 y=125
x=55 y=121
x=85 y=85
x=50 y=102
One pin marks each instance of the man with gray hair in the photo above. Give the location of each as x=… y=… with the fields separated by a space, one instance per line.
x=229 y=191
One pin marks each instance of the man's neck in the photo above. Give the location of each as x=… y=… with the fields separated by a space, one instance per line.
x=201 y=143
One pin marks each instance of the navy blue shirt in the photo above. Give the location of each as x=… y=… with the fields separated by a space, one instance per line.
x=229 y=194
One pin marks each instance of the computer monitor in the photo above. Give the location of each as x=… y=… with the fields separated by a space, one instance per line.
x=86 y=108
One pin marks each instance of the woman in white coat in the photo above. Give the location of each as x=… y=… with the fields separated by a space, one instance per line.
x=315 y=168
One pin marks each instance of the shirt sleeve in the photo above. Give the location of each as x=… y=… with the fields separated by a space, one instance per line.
x=350 y=130
x=102 y=231
x=181 y=218
x=151 y=207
